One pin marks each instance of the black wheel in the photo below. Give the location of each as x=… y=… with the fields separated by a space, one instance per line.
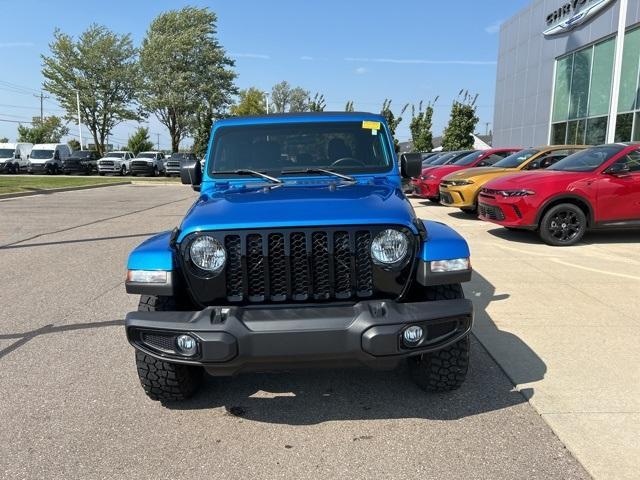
x=563 y=225
x=165 y=381
x=446 y=369
x=16 y=169
x=155 y=172
x=123 y=170
x=469 y=210
x=434 y=199
x=101 y=174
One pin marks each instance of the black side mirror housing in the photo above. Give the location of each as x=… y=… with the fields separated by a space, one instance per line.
x=191 y=173
x=410 y=165
x=618 y=169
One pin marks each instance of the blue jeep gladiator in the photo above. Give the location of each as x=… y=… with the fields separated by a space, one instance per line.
x=300 y=250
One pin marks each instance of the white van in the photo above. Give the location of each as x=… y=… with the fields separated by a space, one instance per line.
x=14 y=157
x=48 y=157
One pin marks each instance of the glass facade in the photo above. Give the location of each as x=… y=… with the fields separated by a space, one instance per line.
x=582 y=94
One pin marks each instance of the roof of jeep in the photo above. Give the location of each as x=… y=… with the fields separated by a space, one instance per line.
x=303 y=117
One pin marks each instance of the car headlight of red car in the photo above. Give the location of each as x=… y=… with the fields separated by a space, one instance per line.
x=516 y=193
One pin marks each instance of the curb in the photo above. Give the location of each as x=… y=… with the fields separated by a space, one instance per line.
x=60 y=190
x=154 y=183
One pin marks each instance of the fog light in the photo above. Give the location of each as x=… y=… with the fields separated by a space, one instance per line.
x=187 y=345
x=412 y=335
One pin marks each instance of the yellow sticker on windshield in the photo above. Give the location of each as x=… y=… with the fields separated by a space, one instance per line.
x=371 y=125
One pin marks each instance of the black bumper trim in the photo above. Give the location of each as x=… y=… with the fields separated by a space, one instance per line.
x=367 y=333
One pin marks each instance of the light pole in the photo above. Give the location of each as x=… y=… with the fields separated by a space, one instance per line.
x=266 y=97
x=79 y=124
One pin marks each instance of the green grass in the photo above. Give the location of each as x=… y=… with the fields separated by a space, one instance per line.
x=27 y=183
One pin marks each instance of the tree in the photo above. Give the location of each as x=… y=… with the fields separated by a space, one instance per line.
x=188 y=79
x=287 y=99
x=317 y=103
x=4 y=140
x=51 y=130
x=421 y=125
x=102 y=66
x=392 y=120
x=139 y=141
x=458 y=135
x=251 y=102
x=349 y=106
x=74 y=145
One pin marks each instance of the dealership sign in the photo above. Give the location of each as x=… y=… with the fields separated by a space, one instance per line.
x=572 y=14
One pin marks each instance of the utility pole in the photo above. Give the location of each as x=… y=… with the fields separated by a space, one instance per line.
x=158 y=144
x=487 y=127
x=42 y=96
x=266 y=96
x=79 y=124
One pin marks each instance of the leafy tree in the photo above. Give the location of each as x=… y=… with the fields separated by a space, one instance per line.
x=392 y=120
x=50 y=130
x=74 y=145
x=102 y=66
x=349 y=106
x=139 y=141
x=421 y=125
x=251 y=102
x=188 y=79
x=287 y=99
x=4 y=140
x=317 y=103
x=458 y=135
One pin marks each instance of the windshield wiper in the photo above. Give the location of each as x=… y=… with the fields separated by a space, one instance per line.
x=252 y=173
x=321 y=171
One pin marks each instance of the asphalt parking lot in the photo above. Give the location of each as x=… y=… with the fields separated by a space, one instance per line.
x=71 y=405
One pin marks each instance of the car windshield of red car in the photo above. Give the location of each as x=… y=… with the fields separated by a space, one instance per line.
x=469 y=159
x=517 y=159
x=587 y=160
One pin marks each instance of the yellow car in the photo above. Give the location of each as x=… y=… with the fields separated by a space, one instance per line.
x=460 y=189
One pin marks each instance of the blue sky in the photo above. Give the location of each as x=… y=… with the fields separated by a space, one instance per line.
x=365 y=51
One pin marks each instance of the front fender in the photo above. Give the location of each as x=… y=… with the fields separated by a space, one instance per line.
x=155 y=253
x=442 y=243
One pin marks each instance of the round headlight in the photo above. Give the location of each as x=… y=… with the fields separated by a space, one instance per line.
x=208 y=254
x=390 y=247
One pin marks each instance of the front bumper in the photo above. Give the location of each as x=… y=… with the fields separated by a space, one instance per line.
x=513 y=212
x=38 y=167
x=461 y=197
x=143 y=170
x=109 y=168
x=235 y=339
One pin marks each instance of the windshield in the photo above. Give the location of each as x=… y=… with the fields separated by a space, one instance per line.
x=430 y=160
x=443 y=159
x=469 y=159
x=587 y=160
x=146 y=155
x=345 y=147
x=83 y=154
x=517 y=159
x=115 y=155
x=41 y=154
x=6 y=152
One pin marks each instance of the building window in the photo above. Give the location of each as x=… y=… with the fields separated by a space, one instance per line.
x=628 y=121
x=582 y=95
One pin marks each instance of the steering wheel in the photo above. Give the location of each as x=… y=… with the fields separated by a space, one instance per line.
x=348 y=162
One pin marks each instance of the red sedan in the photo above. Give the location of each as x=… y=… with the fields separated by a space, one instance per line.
x=428 y=185
x=594 y=188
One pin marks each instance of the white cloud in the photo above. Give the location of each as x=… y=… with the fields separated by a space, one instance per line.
x=259 y=56
x=493 y=28
x=306 y=58
x=361 y=70
x=16 y=44
x=414 y=61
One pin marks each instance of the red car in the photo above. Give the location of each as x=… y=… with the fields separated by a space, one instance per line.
x=594 y=188
x=428 y=185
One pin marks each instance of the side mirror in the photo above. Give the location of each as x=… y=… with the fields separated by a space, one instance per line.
x=17 y=155
x=191 y=173
x=410 y=165
x=618 y=169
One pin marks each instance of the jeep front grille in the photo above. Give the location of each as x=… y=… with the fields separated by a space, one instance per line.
x=298 y=265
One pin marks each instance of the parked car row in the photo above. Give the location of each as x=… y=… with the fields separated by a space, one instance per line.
x=57 y=158
x=558 y=191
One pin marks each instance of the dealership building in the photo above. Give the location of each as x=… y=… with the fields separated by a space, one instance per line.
x=569 y=72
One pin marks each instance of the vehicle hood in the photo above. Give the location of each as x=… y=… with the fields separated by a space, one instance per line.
x=299 y=206
x=537 y=178
x=4 y=159
x=445 y=170
x=479 y=173
x=40 y=160
x=111 y=158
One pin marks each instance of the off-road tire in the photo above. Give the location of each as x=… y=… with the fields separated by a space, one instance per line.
x=446 y=369
x=165 y=381
x=434 y=199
